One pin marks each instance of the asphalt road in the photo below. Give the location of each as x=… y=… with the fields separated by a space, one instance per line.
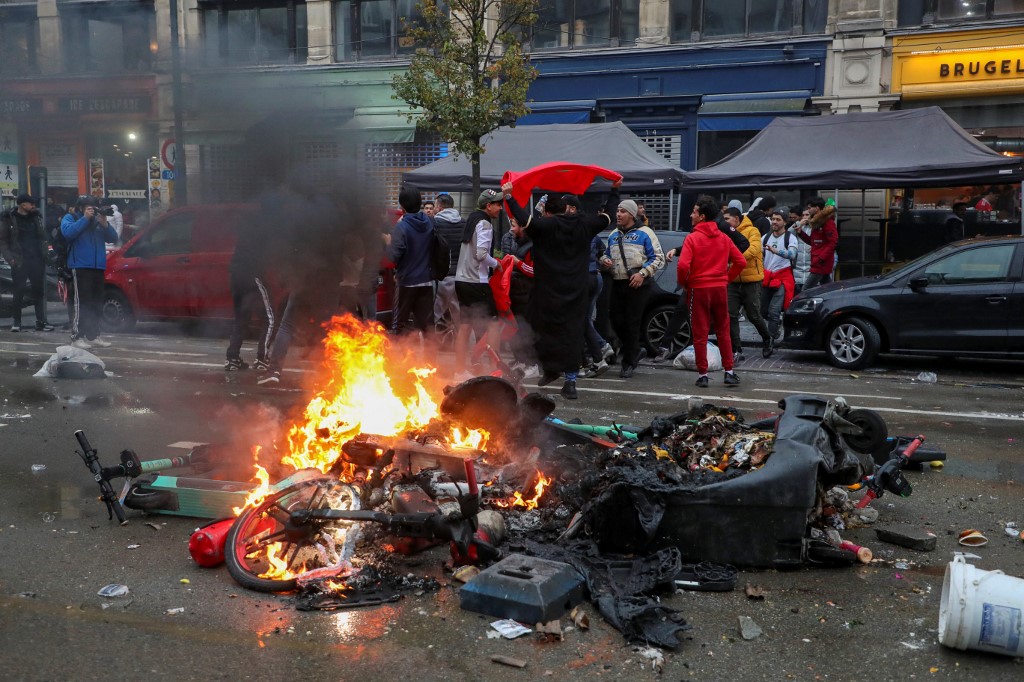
x=874 y=622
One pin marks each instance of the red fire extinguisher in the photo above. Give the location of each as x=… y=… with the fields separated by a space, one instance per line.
x=207 y=542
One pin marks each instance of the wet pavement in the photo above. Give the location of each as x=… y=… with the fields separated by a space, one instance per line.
x=878 y=621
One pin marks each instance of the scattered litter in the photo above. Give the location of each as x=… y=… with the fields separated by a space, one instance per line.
x=972 y=538
x=1012 y=530
x=153 y=525
x=27 y=595
x=48 y=517
x=174 y=611
x=552 y=628
x=912 y=645
x=185 y=581
x=506 y=660
x=15 y=416
x=927 y=377
x=134 y=546
x=465 y=573
x=579 y=618
x=755 y=592
x=906 y=535
x=653 y=655
x=38 y=468
x=113 y=590
x=509 y=629
x=749 y=630
x=491 y=634
x=866 y=514
x=937 y=464
x=901 y=565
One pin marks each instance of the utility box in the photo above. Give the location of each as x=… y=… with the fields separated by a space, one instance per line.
x=525 y=589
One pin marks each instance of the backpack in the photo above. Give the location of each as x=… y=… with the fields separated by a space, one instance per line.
x=785 y=244
x=440 y=256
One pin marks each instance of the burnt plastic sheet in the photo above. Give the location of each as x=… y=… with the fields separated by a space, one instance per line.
x=619 y=587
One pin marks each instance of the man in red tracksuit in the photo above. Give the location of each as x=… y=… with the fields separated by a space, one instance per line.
x=708 y=262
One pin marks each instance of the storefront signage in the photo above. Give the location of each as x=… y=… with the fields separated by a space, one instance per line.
x=105 y=105
x=127 y=194
x=983 y=70
x=20 y=106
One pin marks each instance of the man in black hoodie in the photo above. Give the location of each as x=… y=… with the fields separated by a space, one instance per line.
x=450 y=225
x=410 y=252
x=760 y=214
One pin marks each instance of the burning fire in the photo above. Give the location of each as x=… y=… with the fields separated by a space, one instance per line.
x=517 y=497
x=260 y=491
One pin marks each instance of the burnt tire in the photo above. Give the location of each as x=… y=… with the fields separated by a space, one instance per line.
x=654 y=324
x=264 y=529
x=116 y=315
x=852 y=343
x=874 y=431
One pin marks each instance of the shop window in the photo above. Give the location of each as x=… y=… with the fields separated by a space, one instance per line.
x=963 y=10
x=249 y=33
x=110 y=38
x=815 y=16
x=375 y=29
x=743 y=18
x=18 y=40
x=125 y=158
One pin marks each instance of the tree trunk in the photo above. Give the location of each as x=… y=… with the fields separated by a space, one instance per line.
x=475 y=163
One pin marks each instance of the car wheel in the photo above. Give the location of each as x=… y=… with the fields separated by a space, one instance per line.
x=852 y=343
x=446 y=330
x=655 y=323
x=116 y=314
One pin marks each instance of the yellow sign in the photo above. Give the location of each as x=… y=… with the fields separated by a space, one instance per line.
x=966 y=72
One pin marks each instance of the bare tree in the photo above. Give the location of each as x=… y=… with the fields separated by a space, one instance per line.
x=470 y=75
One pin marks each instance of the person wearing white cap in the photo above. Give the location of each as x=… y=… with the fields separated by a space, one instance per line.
x=635 y=255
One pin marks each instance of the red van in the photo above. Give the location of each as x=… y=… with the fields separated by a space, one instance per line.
x=175 y=269
x=178 y=269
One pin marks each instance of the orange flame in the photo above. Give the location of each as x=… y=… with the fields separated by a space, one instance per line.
x=517 y=499
x=257 y=494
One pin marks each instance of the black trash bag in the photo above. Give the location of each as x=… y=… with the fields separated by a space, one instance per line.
x=73 y=369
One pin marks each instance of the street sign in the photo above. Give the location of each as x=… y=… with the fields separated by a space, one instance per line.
x=167 y=175
x=168 y=153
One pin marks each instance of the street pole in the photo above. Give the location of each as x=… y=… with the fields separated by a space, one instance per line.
x=180 y=174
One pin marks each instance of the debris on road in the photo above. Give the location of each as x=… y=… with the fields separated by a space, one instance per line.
x=755 y=592
x=113 y=590
x=509 y=629
x=907 y=536
x=749 y=630
x=509 y=661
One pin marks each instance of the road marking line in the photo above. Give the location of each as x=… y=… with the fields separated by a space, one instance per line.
x=845 y=395
x=726 y=399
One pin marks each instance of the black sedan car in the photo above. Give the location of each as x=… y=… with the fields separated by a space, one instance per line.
x=964 y=299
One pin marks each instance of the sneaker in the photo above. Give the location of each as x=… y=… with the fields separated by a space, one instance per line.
x=569 y=390
x=780 y=336
x=15 y=328
x=768 y=347
x=269 y=378
x=235 y=365
x=627 y=371
x=548 y=378
x=596 y=370
x=100 y=343
x=731 y=379
x=663 y=354
x=702 y=381
x=738 y=357
x=260 y=366
x=81 y=343
x=44 y=327
x=607 y=353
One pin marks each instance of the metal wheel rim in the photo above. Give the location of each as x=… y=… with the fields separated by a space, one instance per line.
x=847 y=343
x=659 y=323
x=118 y=314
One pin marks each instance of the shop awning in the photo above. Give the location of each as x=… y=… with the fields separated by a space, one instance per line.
x=382 y=124
x=566 y=111
x=748 y=110
x=872 y=150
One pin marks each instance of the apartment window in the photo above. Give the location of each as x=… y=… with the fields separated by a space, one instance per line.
x=249 y=33
x=110 y=38
x=18 y=40
x=374 y=29
x=586 y=23
x=918 y=12
x=744 y=18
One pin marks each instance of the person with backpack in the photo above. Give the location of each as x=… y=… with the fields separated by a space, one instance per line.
x=449 y=224
x=779 y=287
x=411 y=251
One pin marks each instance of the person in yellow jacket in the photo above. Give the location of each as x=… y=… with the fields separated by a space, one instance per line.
x=745 y=290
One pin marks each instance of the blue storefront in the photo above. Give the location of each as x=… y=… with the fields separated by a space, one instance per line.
x=694 y=105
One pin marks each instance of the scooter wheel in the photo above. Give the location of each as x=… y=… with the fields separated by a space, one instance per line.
x=873 y=431
x=266 y=552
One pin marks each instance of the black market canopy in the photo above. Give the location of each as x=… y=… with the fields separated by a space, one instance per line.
x=913 y=148
x=611 y=145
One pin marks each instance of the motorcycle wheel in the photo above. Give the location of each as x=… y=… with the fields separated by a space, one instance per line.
x=265 y=552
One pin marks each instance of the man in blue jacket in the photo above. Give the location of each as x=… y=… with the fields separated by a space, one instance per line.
x=87 y=231
x=410 y=252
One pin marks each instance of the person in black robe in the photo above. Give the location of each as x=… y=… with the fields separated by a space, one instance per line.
x=561 y=258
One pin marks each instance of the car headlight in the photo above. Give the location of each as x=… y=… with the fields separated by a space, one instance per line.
x=803 y=306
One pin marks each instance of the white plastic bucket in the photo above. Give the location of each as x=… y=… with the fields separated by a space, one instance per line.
x=981 y=610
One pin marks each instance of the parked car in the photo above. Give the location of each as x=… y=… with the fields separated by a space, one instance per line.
x=177 y=269
x=7 y=290
x=664 y=297
x=965 y=299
